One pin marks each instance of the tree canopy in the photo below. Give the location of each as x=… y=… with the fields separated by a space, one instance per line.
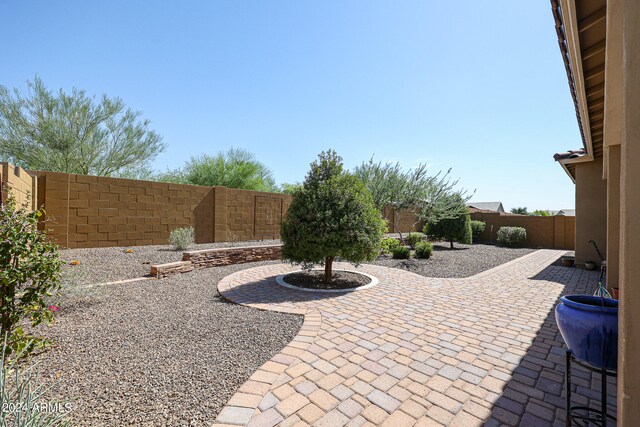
x=453 y=228
x=73 y=132
x=331 y=215
x=234 y=168
x=520 y=211
x=410 y=191
x=540 y=212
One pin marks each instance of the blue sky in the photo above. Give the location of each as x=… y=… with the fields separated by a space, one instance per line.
x=478 y=87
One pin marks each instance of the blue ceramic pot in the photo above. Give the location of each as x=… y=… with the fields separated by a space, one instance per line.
x=589 y=326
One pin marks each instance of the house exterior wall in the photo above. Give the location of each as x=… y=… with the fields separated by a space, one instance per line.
x=591 y=211
x=629 y=317
x=613 y=215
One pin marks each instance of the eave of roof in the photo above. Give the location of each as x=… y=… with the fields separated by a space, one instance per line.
x=581 y=31
x=562 y=42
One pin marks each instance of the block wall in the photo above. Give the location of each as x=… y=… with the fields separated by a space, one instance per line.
x=88 y=211
x=253 y=215
x=548 y=232
x=407 y=220
x=22 y=185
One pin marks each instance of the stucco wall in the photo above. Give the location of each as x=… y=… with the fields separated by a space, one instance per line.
x=591 y=211
x=628 y=366
x=613 y=216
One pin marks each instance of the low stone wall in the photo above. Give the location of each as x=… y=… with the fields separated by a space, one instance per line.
x=206 y=258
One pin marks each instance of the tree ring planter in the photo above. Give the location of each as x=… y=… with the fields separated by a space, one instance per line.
x=374 y=281
x=589 y=326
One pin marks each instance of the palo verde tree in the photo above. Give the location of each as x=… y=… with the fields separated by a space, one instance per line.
x=234 y=168
x=456 y=226
x=332 y=215
x=29 y=273
x=73 y=132
x=411 y=191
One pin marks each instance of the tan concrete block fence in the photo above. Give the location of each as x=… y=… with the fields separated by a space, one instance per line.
x=545 y=232
x=91 y=211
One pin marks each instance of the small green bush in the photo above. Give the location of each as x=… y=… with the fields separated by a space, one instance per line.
x=512 y=237
x=413 y=238
x=401 y=252
x=182 y=238
x=423 y=250
x=477 y=228
x=388 y=244
x=29 y=274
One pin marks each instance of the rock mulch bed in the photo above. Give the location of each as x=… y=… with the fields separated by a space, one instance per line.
x=315 y=280
x=158 y=352
x=463 y=261
x=100 y=265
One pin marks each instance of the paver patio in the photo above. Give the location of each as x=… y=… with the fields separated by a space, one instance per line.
x=416 y=350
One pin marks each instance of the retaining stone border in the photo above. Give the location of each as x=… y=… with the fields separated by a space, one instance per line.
x=206 y=258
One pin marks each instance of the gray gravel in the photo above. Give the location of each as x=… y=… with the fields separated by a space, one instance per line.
x=101 y=265
x=158 y=352
x=463 y=261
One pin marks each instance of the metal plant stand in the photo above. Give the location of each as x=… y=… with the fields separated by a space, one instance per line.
x=597 y=417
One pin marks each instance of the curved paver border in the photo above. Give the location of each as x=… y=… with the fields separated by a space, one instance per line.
x=244 y=403
x=374 y=281
x=412 y=350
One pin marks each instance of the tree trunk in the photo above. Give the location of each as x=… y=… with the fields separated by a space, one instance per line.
x=451 y=243
x=328 y=264
x=396 y=224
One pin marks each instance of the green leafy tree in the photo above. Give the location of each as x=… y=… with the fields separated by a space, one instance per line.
x=73 y=132
x=234 y=168
x=409 y=191
x=520 y=211
x=331 y=216
x=29 y=273
x=539 y=212
x=288 y=188
x=456 y=228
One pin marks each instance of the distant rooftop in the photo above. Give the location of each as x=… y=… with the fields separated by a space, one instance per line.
x=487 y=206
x=564 y=212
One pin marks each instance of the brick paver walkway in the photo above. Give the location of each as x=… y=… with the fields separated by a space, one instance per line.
x=415 y=350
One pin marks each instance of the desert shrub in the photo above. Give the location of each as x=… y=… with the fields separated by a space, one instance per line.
x=331 y=216
x=477 y=228
x=512 y=237
x=388 y=244
x=182 y=238
x=401 y=252
x=29 y=273
x=414 y=238
x=20 y=389
x=423 y=250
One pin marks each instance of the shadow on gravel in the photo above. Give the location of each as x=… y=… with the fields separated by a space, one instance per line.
x=535 y=395
x=444 y=249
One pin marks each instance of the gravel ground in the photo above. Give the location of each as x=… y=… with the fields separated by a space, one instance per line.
x=463 y=261
x=101 y=265
x=157 y=352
